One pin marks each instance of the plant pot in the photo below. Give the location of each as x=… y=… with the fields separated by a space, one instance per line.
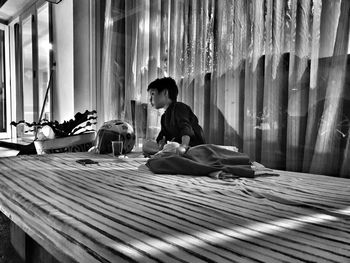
x=74 y=143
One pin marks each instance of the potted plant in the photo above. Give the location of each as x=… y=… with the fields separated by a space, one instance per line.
x=74 y=135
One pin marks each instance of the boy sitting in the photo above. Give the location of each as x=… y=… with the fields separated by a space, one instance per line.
x=178 y=122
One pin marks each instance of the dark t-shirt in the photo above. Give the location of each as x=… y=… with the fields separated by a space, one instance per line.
x=179 y=120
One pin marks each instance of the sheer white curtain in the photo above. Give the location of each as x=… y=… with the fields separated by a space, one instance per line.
x=268 y=76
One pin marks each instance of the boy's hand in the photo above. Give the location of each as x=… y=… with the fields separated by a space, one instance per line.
x=185 y=141
x=181 y=150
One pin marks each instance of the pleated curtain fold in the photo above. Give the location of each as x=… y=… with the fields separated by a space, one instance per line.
x=271 y=77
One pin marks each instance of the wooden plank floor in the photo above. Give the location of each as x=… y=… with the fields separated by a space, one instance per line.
x=118 y=211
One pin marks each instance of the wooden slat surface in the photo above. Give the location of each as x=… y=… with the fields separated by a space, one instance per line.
x=118 y=211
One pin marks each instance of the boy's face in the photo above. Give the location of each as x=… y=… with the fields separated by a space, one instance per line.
x=158 y=99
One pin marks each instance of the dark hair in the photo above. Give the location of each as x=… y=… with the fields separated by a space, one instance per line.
x=165 y=84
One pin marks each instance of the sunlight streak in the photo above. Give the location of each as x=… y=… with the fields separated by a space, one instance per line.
x=222 y=235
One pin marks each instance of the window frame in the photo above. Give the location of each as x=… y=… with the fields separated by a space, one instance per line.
x=7 y=134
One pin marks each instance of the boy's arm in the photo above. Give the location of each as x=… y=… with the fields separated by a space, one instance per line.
x=185 y=141
x=183 y=120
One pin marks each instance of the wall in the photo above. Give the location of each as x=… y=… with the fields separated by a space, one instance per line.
x=74 y=35
x=82 y=60
x=63 y=90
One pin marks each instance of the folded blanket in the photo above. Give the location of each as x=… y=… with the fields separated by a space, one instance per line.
x=206 y=160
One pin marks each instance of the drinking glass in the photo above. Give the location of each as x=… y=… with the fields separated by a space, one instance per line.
x=117 y=148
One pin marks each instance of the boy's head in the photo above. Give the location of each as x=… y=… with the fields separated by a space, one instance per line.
x=165 y=84
x=161 y=90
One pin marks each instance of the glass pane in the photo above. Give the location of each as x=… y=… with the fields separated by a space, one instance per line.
x=27 y=46
x=44 y=47
x=3 y=119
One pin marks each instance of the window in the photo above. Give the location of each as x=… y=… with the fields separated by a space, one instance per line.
x=35 y=44
x=28 y=73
